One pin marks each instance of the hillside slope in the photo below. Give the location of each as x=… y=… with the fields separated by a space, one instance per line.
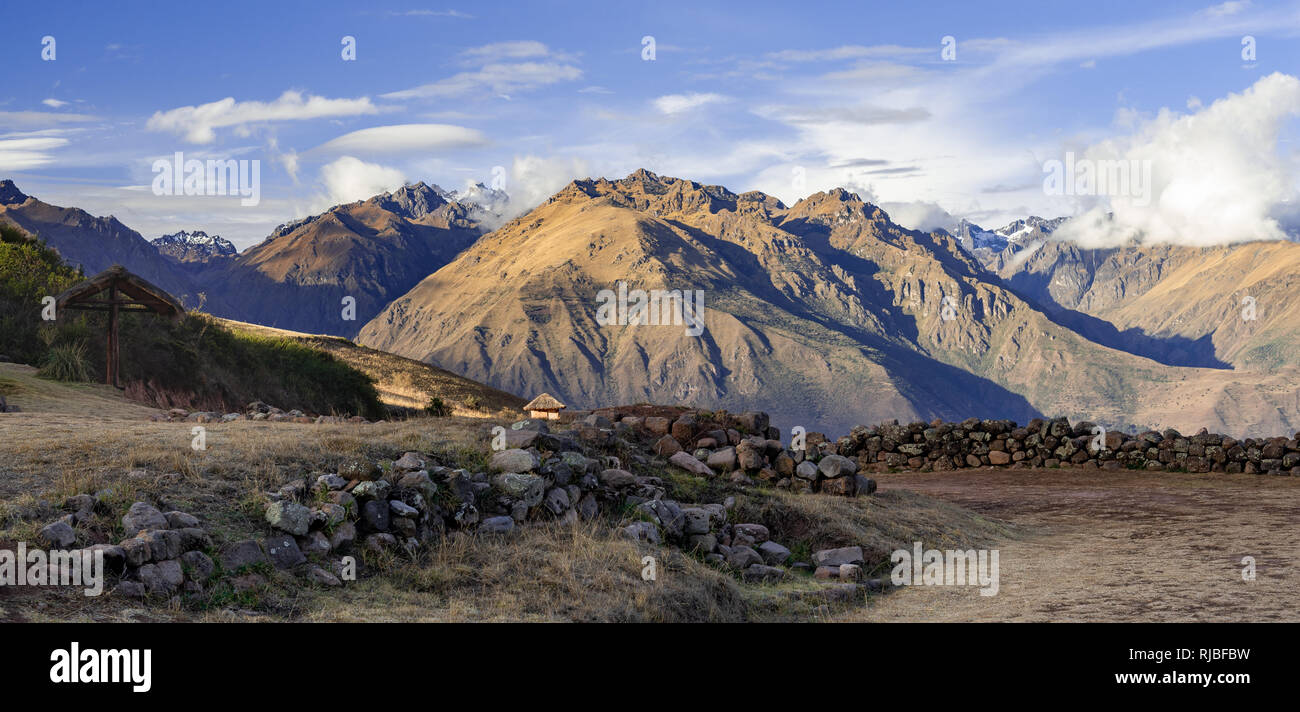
x=825 y=310
x=401 y=381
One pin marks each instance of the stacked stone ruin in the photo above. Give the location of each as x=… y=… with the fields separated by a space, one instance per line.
x=591 y=469
x=1051 y=443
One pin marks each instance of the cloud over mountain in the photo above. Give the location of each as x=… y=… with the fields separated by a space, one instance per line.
x=198 y=124
x=1219 y=175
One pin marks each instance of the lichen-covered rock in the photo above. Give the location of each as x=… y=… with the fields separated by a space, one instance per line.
x=521 y=487
x=289 y=517
x=513 y=460
x=377 y=489
x=359 y=469
x=283 y=551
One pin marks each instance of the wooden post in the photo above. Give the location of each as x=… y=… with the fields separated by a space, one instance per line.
x=110 y=375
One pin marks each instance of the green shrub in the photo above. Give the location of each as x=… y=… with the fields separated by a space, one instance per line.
x=29 y=272
x=67 y=362
x=437 y=408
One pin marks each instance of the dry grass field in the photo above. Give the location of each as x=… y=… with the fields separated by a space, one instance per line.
x=1074 y=544
x=56 y=448
x=1119 y=546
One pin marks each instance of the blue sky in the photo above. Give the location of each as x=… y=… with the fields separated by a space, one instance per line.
x=783 y=97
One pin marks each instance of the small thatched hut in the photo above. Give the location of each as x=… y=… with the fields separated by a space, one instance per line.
x=544 y=407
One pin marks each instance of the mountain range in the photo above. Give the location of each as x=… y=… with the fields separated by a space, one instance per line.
x=297 y=278
x=826 y=311
x=197 y=246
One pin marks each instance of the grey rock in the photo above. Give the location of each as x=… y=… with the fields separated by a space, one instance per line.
x=136 y=551
x=114 y=556
x=833 y=466
x=330 y=482
x=314 y=543
x=696 y=520
x=806 y=470
x=759 y=573
x=409 y=461
x=289 y=517
x=375 y=515
x=403 y=510
x=497 y=525
x=420 y=482
x=757 y=532
x=142 y=516
x=154 y=582
x=199 y=566
x=318 y=575
x=181 y=520
x=194 y=538
x=836 y=557
x=556 y=501
x=706 y=543
x=373 y=490
x=685 y=461
x=163 y=543
x=130 y=589
x=513 y=460
x=380 y=542
x=344 y=536
x=773 y=553
x=723 y=460
x=617 y=478
x=57 y=536
x=526 y=488
x=742 y=557
x=588 y=507
x=283 y=551
x=239 y=554
x=332 y=514
x=642 y=531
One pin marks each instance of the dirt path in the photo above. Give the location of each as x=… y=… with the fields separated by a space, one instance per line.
x=1123 y=546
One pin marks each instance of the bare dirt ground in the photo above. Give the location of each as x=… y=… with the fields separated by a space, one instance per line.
x=1118 y=546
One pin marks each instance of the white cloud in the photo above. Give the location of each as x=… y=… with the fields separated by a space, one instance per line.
x=402 y=138
x=433 y=13
x=499 y=71
x=198 y=123
x=349 y=179
x=1225 y=9
x=848 y=52
x=499 y=78
x=40 y=119
x=54 y=103
x=677 y=103
x=1217 y=175
x=497 y=51
x=534 y=179
x=24 y=153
